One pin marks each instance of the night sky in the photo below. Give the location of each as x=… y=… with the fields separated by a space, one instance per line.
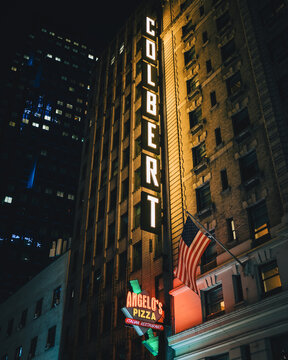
x=93 y=23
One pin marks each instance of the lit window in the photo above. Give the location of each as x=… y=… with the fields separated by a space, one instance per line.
x=88 y=87
x=26 y=57
x=75 y=43
x=13 y=68
x=214 y=303
x=71 y=197
x=84 y=46
x=69 y=106
x=78 y=118
x=81 y=84
x=65 y=133
x=35 y=124
x=68 y=40
x=121 y=48
x=37 y=115
x=52 y=33
x=12 y=123
x=18 y=352
x=8 y=199
x=259 y=221
x=112 y=60
x=75 y=137
x=25 y=121
x=47 y=117
x=231 y=230
x=57 y=58
x=60 y=102
x=60 y=194
x=270 y=278
x=90 y=56
x=49 y=56
x=80 y=101
x=58 y=111
x=71 y=89
x=68 y=115
x=45 y=127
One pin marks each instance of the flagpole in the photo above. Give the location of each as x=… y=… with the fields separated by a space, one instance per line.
x=217 y=241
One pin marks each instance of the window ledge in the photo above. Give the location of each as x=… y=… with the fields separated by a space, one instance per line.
x=200 y=167
x=226 y=191
x=212 y=316
x=214 y=107
x=205 y=212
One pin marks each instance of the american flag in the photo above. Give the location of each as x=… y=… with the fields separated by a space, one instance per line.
x=192 y=245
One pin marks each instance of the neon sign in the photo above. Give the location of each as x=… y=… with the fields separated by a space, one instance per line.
x=150 y=175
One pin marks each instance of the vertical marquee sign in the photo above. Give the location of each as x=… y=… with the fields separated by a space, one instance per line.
x=150 y=164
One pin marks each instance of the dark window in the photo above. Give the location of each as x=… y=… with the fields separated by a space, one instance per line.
x=128 y=78
x=96 y=281
x=204 y=37
x=126 y=130
x=124 y=225
x=248 y=167
x=218 y=357
x=213 y=98
x=240 y=121
x=192 y=84
x=138 y=67
x=208 y=259
x=113 y=199
x=138 y=117
x=117 y=114
x=101 y=209
x=138 y=91
x=99 y=243
x=157 y=246
x=137 y=215
x=214 y=303
x=114 y=168
x=228 y=50
x=125 y=189
x=38 y=308
x=91 y=216
x=122 y=265
x=208 y=66
x=126 y=154
x=237 y=286
x=259 y=221
x=137 y=179
x=111 y=234
x=201 y=10
x=199 y=154
x=279 y=346
x=51 y=337
x=137 y=146
x=189 y=55
x=56 y=296
x=188 y=28
x=81 y=330
x=33 y=346
x=109 y=273
x=10 y=327
x=232 y=236
x=245 y=352
x=233 y=83
x=107 y=317
x=127 y=102
x=138 y=45
x=94 y=324
x=107 y=125
x=203 y=197
x=224 y=179
x=104 y=175
x=270 y=278
x=23 y=318
x=194 y=117
x=18 y=353
x=279 y=47
x=218 y=137
x=222 y=21
x=115 y=140
x=85 y=288
x=137 y=256
x=4 y=357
